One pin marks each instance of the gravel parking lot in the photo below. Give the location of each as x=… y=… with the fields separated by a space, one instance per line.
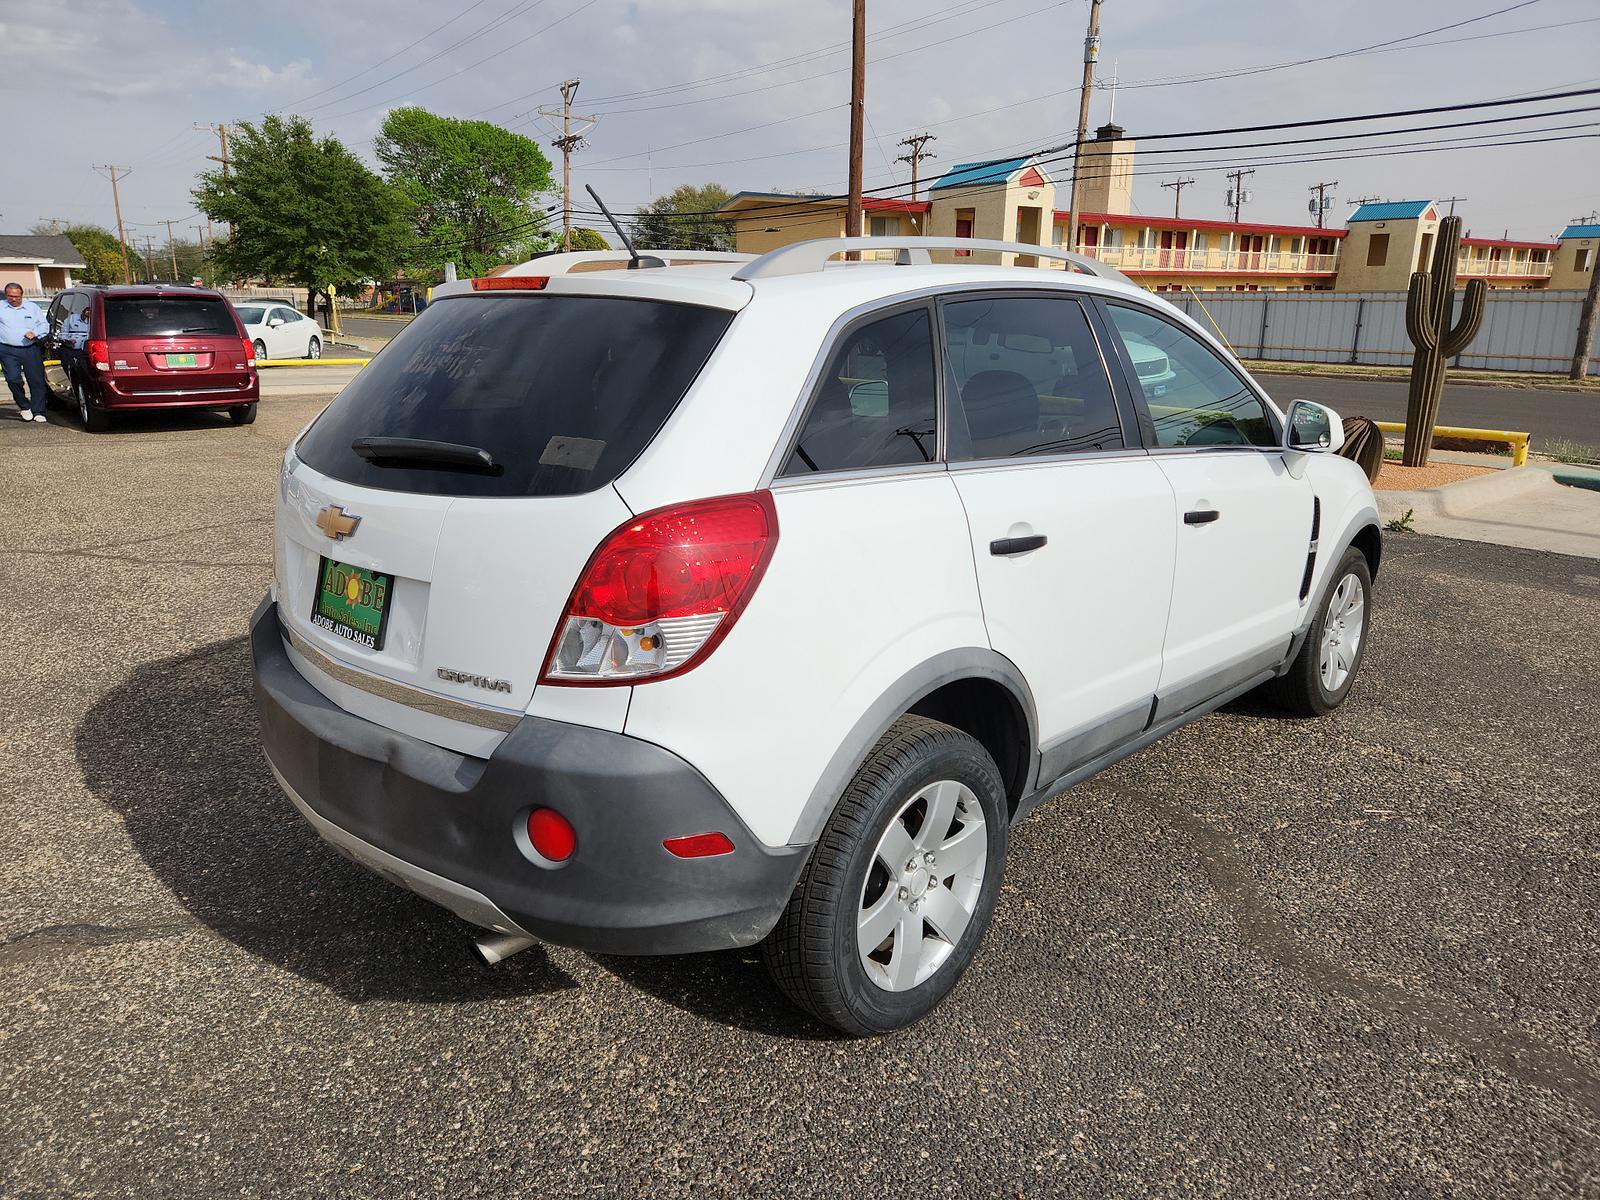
x=1351 y=957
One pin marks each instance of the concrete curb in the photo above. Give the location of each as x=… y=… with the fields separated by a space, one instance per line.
x=1466 y=497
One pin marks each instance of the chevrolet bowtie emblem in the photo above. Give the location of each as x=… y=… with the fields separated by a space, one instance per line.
x=337 y=523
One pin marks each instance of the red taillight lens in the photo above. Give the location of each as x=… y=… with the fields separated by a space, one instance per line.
x=249 y=351
x=551 y=834
x=699 y=845
x=663 y=590
x=99 y=355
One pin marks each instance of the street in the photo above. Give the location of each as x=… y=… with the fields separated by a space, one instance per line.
x=1265 y=957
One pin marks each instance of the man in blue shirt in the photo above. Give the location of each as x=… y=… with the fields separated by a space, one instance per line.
x=22 y=331
x=72 y=338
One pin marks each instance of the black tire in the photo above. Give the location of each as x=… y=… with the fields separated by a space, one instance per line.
x=244 y=414
x=95 y=420
x=1302 y=690
x=812 y=953
x=261 y=350
x=314 y=347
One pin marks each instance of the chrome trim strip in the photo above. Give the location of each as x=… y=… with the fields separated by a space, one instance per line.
x=403 y=693
x=855 y=475
x=1040 y=460
x=470 y=905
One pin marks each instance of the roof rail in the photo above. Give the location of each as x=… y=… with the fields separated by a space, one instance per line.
x=802 y=258
x=564 y=262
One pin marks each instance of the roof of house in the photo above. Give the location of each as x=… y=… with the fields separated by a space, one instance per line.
x=974 y=174
x=50 y=249
x=1580 y=231
x=1186 y=223
x=1390 y=210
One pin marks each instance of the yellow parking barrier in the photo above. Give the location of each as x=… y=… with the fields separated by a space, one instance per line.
x=313 y=362
x=1517 y=441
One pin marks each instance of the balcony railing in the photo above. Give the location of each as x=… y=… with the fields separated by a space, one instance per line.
x=1280 y=262
x=1502 y=268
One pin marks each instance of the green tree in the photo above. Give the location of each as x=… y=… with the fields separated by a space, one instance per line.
x=680 y=221
x=584 y=238
x=473 y=188
x=303 y=211
x=99 y=249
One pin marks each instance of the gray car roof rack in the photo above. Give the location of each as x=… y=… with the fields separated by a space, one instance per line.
x=802 y=258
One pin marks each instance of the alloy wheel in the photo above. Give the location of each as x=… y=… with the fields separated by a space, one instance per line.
x=1342 y=629
x=924 y=882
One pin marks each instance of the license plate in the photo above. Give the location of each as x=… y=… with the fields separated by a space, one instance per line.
x=183 y=360
x=352 y=602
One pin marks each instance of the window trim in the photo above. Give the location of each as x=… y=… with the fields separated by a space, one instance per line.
x=1131 y=376
x=844 y=328
x=1127 y=423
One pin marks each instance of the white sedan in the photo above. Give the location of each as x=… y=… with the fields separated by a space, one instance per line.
x=279 y=331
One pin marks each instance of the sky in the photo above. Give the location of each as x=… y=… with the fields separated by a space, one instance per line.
x=754 y=95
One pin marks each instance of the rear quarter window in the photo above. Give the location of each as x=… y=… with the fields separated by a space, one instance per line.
x=562 y=391
x=166 y=316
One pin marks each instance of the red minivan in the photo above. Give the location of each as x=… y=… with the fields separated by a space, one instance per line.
x=148 y=347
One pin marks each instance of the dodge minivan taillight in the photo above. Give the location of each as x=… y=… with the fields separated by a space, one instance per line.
x=663 y=590
x=99 y=354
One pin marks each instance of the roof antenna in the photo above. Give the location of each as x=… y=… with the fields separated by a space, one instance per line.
x=635 y=259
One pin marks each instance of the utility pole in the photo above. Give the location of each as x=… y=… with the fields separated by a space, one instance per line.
x=569 y=141
x=116 y=201
x=1177 y=186
x=1585 y=346
x=221 y=130
x=858 y=112
x=1321 y=204
x=1236 y=194
x=915 y=144
x=149 y=261
x=172 y=249
x=1091 y=53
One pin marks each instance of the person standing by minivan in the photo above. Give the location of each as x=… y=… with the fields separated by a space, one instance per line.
x=22 y=330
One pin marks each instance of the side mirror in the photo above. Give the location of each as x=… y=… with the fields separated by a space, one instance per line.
x=275 y=322
x=870 y=399
x=1312 y=428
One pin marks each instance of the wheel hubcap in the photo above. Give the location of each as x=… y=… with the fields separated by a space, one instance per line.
x=1342 y=629
x=923 y=884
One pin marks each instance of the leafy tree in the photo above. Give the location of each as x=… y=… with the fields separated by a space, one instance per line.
x=473 y=188
x=677 y=221
x=303 y=211
x=584 y=238
x=99 y=249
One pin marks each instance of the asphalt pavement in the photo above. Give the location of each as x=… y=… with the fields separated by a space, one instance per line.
x=1545 y=413
x=1356 y=956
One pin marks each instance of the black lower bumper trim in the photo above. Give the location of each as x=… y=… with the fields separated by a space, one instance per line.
x=622 y=892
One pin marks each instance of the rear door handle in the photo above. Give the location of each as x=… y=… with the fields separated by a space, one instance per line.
x=1200 y=516
x=1001 y=547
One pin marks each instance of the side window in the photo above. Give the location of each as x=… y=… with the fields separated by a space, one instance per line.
x=1029 y=379
x=1195 y=398
x=56 y=313
x=875 y=403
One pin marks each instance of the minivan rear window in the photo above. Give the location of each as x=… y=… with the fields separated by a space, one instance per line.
x=563 y=392
x=167 y=316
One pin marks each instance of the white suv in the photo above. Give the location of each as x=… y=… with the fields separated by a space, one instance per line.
x=693 y=606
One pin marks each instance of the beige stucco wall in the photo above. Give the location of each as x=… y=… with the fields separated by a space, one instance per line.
x=994 y=215
x=27 y=274
x=1106 y=180
x=1405 y=244
x=1563 y=270
x=757 y=233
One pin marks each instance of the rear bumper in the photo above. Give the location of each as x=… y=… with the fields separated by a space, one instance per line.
x=177 y=394
x=442 y=823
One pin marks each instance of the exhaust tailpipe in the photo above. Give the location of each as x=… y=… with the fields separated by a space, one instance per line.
x=497 y=947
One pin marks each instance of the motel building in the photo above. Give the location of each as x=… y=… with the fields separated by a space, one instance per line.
x=1018 y=200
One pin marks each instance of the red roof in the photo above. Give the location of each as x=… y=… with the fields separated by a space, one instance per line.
x=1192 y=223
x=885 y=204
x=1510 y=245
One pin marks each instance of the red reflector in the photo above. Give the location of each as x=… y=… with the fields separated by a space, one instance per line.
x=551 y=835
x=699 y=845
x=521 y=283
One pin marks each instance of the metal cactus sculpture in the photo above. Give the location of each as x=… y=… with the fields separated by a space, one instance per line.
x=1428 y=321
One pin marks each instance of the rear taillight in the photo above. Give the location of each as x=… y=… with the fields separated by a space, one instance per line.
x=663 y=590
x=99 y=355
x=249 y=351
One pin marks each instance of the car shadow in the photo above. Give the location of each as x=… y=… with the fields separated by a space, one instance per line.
x=174 y=752
x=730 y=987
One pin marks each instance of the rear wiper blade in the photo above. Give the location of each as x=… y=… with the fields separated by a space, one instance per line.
x=451 y=456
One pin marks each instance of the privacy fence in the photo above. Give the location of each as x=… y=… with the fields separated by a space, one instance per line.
x=1522 y=331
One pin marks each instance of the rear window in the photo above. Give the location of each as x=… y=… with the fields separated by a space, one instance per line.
x=165 y=316
x=562 y=391
x=250 y=315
